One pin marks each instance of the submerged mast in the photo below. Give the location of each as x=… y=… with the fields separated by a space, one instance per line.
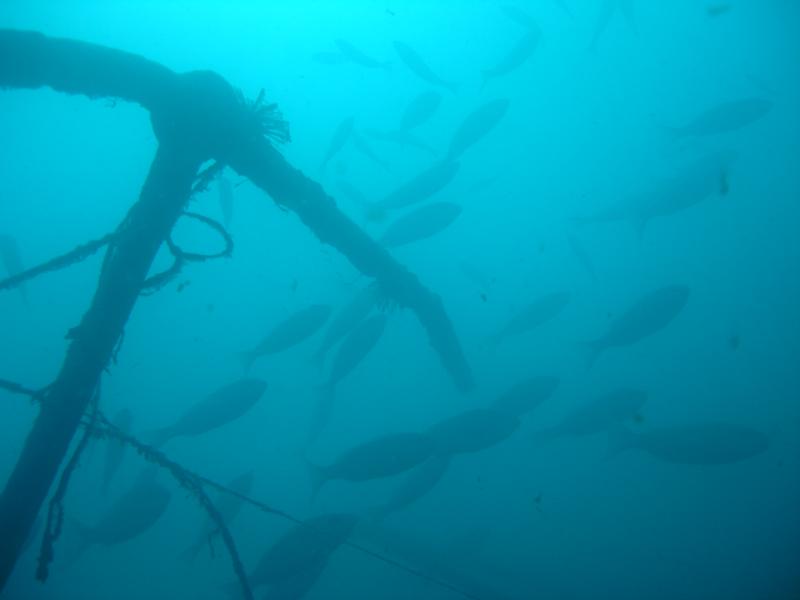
x=196 y=117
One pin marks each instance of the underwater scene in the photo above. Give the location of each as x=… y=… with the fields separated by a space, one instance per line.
x=422 y=299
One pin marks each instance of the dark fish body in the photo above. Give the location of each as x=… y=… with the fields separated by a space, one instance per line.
x=516 y=57
x=539 y=312
x=526 y=395
x=217 y=409
x=726 y=117
x=115 y=449
x=339 y=139
x=421 y=187
x=420 y=68
x=472 y=431
x=348 y=318
x=130 y=516
x=301 y=549
x=703 y=444
x=228 y=506
x=695 y=182
x=601 y=414
x=420 y=110
x=421 y=480
x=358 y=343
x=379 y=458
x=290 y=332
x=649 y=315
x=420 y=224
x=355 y=346
x=358 y=57
x=226 y=200
x=477 y=124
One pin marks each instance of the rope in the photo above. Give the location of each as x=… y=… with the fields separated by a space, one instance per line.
x=55 y=511
x=79 y=254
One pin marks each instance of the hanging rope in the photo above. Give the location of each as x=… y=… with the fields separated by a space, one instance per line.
x=55 y=510
x=79 y=254
x=190 y=481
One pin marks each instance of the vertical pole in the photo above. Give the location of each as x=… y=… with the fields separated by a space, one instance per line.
x=125 y=268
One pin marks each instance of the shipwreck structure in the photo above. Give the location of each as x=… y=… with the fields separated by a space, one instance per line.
x=197 y=117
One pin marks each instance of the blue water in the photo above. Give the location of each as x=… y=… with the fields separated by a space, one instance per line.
x=588 y=125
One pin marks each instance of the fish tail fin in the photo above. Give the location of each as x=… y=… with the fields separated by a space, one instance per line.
x=591 y=352
x=619 y=439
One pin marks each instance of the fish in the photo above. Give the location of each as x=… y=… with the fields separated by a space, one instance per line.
x=360 y=144
x=420 y=110
x=12 y=261
x=607 y=10
x=378 y=458
x=115 y=449
x=724 y=118
x=579 y=250
x=526 y=395
x=694 y=183
x=420 y=224
x=711 y=444
x=302 y=549
x=329 y=58
x=356 y=56
x=649 y=315
x=472 y=431
x=354 y=348
x=347 y=319
x=226 y=200
x=219 y=408
x=228 y=506
x=540 y=311
x=296 y=328
x=128 y=517
x=296 y=586
x=515 y=58
x=476 y=125
x=340 y=137
x=402 y=138
x=416 y=484
x=419 y=188
x=602 y=414
x=420 y=68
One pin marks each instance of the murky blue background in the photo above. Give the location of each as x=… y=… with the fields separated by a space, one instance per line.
x=584 y=129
